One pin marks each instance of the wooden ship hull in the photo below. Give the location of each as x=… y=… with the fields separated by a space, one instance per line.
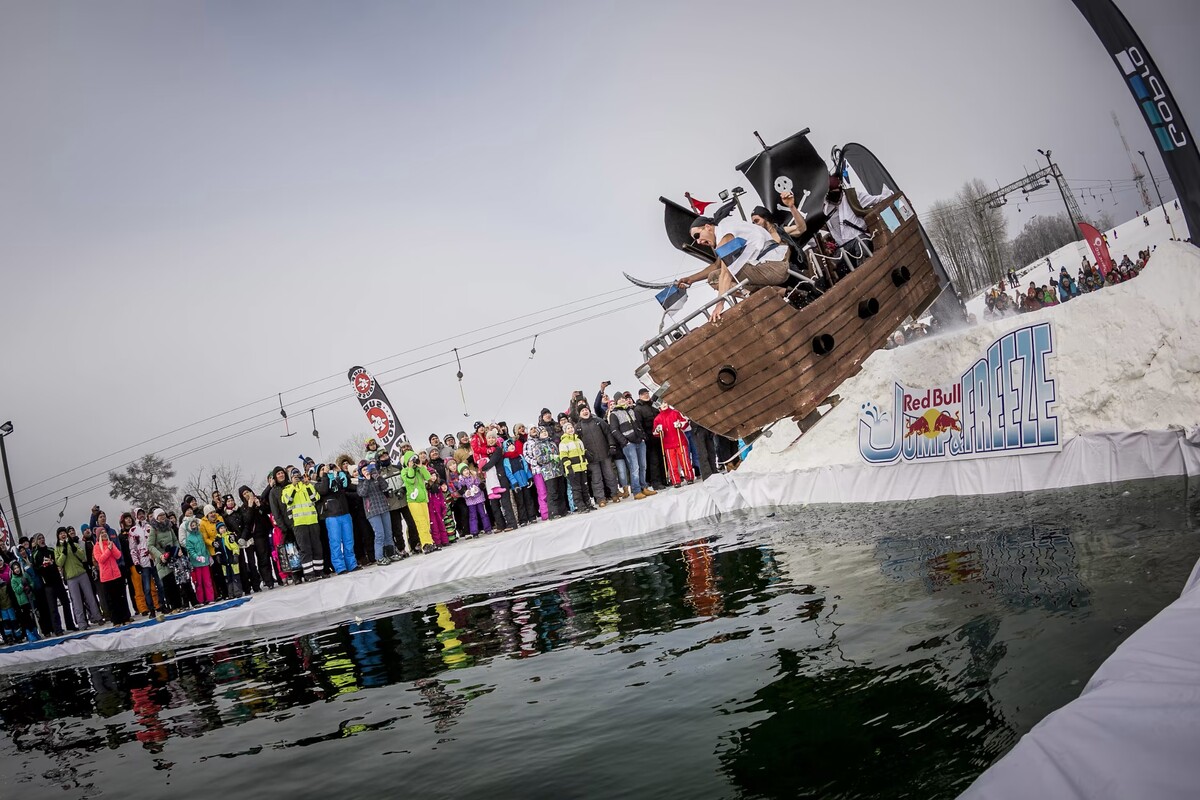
x=765 y=360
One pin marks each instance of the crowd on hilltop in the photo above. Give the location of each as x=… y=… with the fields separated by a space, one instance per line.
x=1061 y=289
x=312 y=520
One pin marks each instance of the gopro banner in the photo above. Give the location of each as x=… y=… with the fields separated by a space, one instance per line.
x=380 y=415
x=1001 y=405
x=1154 y=98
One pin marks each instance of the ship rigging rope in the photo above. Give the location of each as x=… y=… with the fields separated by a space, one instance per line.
x=340 y=398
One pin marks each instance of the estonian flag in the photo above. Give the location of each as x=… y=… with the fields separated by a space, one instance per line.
x=671 y=299
x=731 y=250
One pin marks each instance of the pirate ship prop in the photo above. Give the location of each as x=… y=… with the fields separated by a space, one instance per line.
x=766 y=359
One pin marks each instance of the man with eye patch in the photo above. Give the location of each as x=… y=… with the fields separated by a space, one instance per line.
x=744 y=252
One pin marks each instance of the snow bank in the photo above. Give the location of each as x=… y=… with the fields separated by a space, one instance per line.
x=1127 y=359
x=1127 y=239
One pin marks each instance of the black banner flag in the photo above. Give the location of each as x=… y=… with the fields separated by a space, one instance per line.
x=380 y=415
x=792 y=165
x=1158 y=106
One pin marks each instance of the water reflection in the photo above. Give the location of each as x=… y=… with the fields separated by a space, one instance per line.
x=233 y=684
x=881 y=666
x=1034 y=566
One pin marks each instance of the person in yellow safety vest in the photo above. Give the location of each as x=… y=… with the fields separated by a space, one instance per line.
x=415 y=478
x=300 y=499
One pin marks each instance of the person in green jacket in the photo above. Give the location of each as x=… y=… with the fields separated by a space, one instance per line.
x=415 y=477
x=199 y=560
x=162 y=545
x=22 y=591
x=71 y=559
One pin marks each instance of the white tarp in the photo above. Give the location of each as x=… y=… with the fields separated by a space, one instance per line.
x=1133 y=733
x=1084 y=460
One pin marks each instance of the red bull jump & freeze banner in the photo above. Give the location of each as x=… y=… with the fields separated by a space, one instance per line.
x=1002 y=405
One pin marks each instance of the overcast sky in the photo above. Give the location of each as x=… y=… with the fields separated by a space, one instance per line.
x=204 y=204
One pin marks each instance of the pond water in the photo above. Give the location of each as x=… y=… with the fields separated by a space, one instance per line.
x=868 y=651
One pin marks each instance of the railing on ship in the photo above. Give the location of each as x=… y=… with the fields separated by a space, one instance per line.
x=819 y=264
x=680 y=329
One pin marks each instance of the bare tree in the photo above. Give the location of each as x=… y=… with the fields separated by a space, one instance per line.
x=353 y=446
x=1105 y=221
x=144 y=483
x=972 y=242
x=228 y=478
x=1041 y=236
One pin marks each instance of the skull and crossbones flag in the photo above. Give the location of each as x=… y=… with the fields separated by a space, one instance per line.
x=792 y=165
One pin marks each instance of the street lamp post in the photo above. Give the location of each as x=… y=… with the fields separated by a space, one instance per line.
x=1166 y=216
x=5 y=430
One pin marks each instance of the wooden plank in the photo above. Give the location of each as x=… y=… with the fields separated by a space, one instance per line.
x=787 y=366
x=769 y=343
x=780 y=387
x=781 y=394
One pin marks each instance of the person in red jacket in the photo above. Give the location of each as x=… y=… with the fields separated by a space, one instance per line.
x=668 y=427
x=108 y=556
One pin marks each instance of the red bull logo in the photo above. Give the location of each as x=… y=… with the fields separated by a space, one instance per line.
x=1001 y=405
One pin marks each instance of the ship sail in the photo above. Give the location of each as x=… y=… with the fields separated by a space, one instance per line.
x=874 y=176
x=791 y=165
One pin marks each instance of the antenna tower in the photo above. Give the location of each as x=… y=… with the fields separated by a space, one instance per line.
x=1138 y=177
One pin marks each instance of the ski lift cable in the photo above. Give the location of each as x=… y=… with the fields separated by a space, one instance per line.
x=461 y=391
x=340 y=398
x=626 y=291
x=516 y=380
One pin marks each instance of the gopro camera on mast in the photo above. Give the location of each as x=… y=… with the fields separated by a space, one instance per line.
x=725 y=194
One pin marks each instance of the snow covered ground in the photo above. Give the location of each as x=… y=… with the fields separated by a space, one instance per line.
x=1126 y=239
x=1127 y=359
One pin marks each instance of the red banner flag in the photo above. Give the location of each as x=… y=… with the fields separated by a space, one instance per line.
x=1099 y=247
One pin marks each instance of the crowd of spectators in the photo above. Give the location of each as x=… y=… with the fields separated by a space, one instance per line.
x=999 y=303
x=313 y=520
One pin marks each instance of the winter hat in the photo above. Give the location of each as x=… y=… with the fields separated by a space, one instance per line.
x=461 y=434
x=463 y=468
x=158 y=511
x=478 y=425
x=208 y=509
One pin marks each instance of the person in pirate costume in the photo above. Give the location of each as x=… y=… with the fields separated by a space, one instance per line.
x=846 y=209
